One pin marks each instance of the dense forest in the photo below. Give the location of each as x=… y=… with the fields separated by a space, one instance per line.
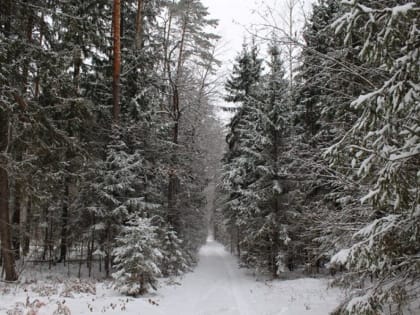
x=324 y=171
x=110 y=146
x=103 y=108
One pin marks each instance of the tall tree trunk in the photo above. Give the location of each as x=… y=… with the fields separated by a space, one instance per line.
x=172 y=191
x=139 y=24
x=176 y=115
x=25 y=72
x=38 y=70
x=290 y=4
x=166 y=37
x=65 y=220
x=238 y=241
x=26 y=226
x=5 y=227
x=16 y=218
x=117 y=60
x=77 y=62
x=18 y=194
x=107 y=259
x=50 y=242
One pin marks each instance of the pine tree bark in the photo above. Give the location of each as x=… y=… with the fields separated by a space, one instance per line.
x=139 y=24
x=5 y=227
x=117 y=60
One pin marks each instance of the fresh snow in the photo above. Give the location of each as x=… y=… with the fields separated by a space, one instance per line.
x=341 y=257
x=403 y=9
x=216 y=287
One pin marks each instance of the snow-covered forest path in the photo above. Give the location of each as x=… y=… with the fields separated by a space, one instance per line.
x=215 y=287
x=218 y=286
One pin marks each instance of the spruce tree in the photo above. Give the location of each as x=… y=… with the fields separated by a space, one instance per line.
x=384 y=149
x=329 y=78
x=237 y=170
x=136 y=257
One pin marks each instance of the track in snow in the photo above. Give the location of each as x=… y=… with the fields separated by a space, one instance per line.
x=218 y=287
x=215 y=287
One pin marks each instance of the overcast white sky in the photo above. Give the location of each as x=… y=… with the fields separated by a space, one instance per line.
x=233 y=15
x=236 y=18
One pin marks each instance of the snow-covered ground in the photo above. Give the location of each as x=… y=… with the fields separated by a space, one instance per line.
x=216 y=286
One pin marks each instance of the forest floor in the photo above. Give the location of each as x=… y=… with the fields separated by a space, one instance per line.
x=216 y=286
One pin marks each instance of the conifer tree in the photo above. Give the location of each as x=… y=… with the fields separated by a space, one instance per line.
x=257 y=175
x=245 y=73
x=237 y=170
x=274 y=226
x=328 y=80
x=136 y=257
x=384 y=151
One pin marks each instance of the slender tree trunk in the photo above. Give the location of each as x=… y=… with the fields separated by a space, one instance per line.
x=26 y=64
x=139 y=24
x=65 y=220
x=166 y=36
x=90 y=252
x=232 y=247
x=181 y=51
x=5 y=230
x=173 y=179
x=51 y=243
x=77 y=61
x=277 y=201
x=290 y=6
x=38 y=78
x=79 y=274
x=22 y=200
x=117 y=60
x=176 y=115
x=172 y=191
x=5 y=227
x=45 y=245
x=107 y=263
x=238 y=241
x=16 y=218
x=26 y=227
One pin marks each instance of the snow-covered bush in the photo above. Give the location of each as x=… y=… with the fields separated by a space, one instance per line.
x=136 y=258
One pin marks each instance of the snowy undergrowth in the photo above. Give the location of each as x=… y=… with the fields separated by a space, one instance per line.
x=216 y=286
